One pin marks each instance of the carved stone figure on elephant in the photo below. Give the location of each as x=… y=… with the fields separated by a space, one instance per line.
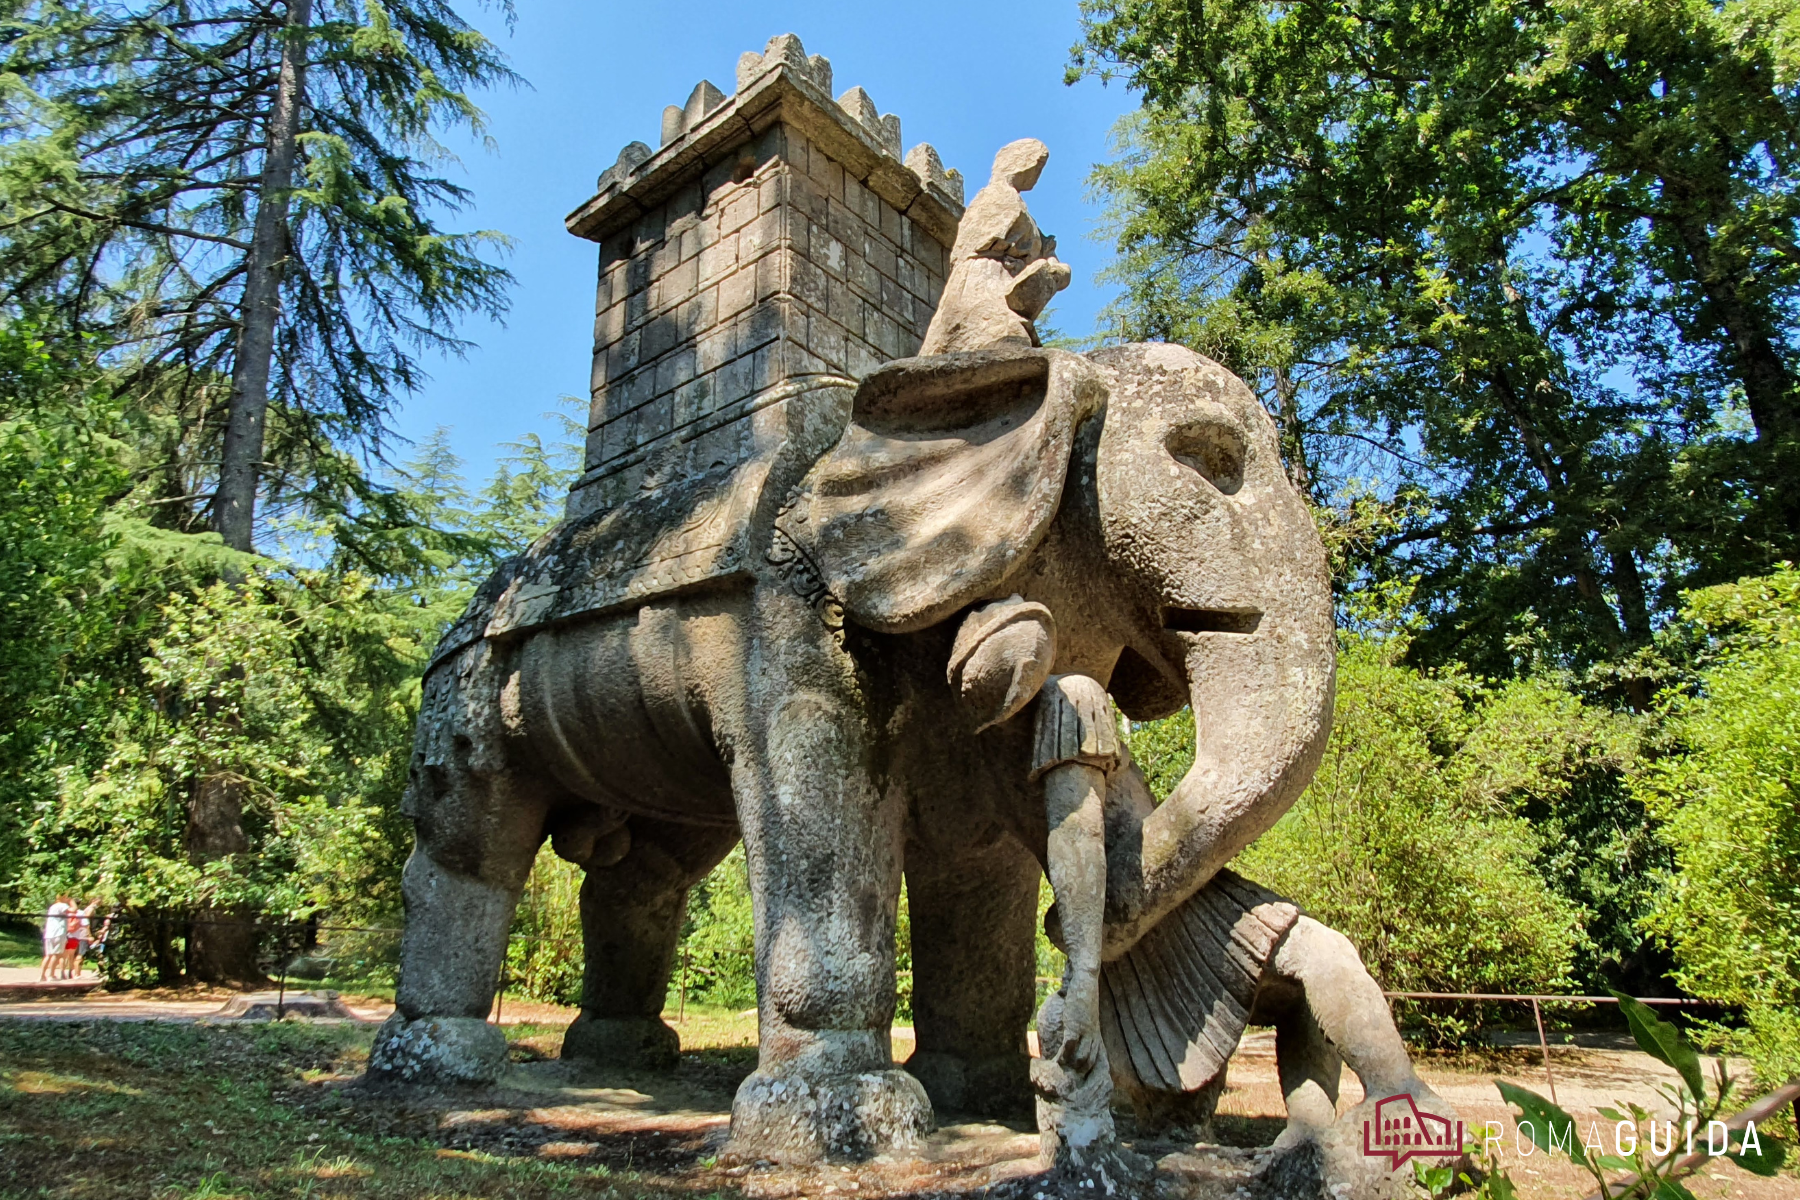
x=852 y=687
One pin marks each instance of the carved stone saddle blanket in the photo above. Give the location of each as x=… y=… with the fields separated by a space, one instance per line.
x=688 y=532
x=1174 y=1006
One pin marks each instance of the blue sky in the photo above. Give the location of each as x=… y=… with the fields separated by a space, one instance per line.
x=967 y=77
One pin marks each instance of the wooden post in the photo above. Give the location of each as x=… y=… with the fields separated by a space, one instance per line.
x=681 y=1013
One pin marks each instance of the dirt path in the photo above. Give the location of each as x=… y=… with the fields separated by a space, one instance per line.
x=673 y=1126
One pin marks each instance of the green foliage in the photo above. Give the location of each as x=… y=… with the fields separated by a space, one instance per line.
x=1530 y=270
x=20 y=944
x=543 y=959
x=1728 y=800
x=297 y=685
x=719 y=939
x=132 y=137
x=57 y=470
x=1638 y=1172
x=1540 y=752
x=299 y=689
x=1398 y=845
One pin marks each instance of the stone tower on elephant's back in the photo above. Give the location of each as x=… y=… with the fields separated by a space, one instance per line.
x=776 y=240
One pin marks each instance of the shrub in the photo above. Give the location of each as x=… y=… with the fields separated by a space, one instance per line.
x=1406 y=840
x=1728 y=795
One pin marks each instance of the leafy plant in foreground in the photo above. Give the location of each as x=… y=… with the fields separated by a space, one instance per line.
x=1647 y=1171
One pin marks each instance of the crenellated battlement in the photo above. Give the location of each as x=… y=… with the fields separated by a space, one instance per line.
x=776 y=234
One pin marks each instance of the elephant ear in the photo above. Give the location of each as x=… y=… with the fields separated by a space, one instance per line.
x=948 y=475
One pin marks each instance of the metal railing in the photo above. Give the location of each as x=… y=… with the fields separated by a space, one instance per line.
x=1537 y=1012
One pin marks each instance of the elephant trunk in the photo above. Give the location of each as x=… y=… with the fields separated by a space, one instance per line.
x=1262 y=700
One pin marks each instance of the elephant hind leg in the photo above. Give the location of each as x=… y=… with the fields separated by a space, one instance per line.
x=460 y=887
x=631 y=917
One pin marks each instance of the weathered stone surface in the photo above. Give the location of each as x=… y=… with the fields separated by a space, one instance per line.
x=1003 y=270
x=922 y=160
x=438 y=1050
x=870 y=611
x=856 y=1117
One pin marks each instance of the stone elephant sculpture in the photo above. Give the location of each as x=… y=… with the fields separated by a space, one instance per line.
x=848 y=685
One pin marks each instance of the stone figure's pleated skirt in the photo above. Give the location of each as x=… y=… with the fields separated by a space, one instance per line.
x=1173 y=1008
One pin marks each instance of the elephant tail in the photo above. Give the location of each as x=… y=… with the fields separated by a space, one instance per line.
x=1174 y=1006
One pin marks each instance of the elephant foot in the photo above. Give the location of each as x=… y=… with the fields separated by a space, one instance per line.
x=1336 y=1162
x=997 y=1086
x=438 y=1051
x=640 y=1043
x=791 y=1119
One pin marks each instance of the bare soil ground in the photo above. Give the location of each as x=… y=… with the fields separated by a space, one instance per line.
x=142 y=1095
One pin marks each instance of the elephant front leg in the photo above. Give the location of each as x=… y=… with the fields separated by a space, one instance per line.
x=822 y=846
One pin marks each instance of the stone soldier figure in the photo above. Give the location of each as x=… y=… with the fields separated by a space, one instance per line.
x=1003 y=269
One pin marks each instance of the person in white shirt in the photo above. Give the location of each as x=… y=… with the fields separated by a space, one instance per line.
x=56 y=934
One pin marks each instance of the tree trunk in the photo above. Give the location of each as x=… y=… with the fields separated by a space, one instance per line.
x=1573 y=548
x=1293 y=445
x=1628 y=583
x=234 y=504
x=222 y=942
x=1634 y=606
x=1767 y=382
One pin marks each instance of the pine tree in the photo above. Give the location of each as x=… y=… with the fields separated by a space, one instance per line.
x=242 y=198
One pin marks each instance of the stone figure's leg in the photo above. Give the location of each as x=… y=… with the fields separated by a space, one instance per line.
x=974 y=920
x=822 y=842
x=1324 y=1004
x=478 y=821
x=1344 y=1005
x=631 y=914
x=1308 y=1067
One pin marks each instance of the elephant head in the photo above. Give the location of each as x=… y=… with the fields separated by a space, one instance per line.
x=1205 y=566
x=1229 y=593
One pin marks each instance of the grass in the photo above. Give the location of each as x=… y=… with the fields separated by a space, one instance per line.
x=21 y=945
x=116 y=1111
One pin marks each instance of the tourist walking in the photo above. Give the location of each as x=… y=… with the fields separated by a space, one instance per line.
x=98 y=947
x=56 y=934
x=80 y=929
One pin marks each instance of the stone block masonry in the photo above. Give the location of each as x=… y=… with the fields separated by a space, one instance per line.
x=776 y=240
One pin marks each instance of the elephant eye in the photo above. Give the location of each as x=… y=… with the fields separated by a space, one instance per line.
x=1213 y=447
